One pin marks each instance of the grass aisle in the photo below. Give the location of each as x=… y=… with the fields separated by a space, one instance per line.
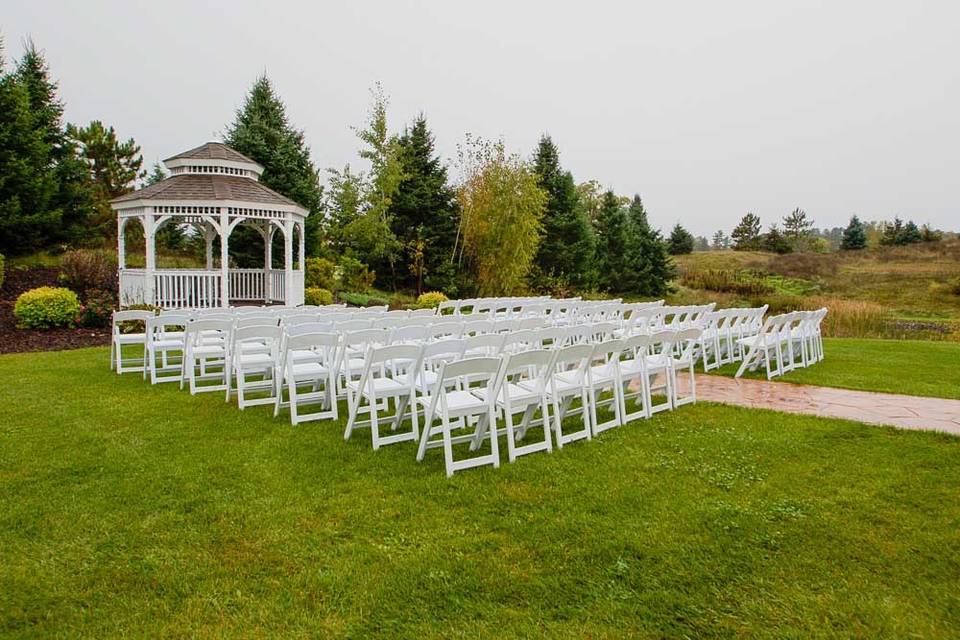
x=911 y=367
x=126 y=509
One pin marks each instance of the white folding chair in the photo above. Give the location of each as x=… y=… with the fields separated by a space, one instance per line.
x=522 y=385
x=119 y=339
x=633 y=371
x=309 y=361
x=684 y=359
x=375 y=390
x=255 y=369
x=658 y=365
x=207 y=356
x=453 y=402
x=354 y=346
x=165 y=341
x=604 y=374
x=484 y=344
x=568 y=382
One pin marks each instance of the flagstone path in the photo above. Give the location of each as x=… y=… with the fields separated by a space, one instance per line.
x=905 y=412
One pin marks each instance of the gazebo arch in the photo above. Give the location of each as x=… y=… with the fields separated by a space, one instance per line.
x=214 y=189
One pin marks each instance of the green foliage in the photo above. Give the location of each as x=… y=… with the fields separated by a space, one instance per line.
x=321 y=273
x=362 y=299
x=431 y=299
x=649 y=268
x=929 y=234
x=423 y=213
x=681 y=241
x=612 y=243
x=501 y=207
x=954 y=284
x=170 y=236
x=854 y=236
x=720 y=241
x=775 y=241
x=262 y=131
x=897 y=233
x=343 y=204
x=84 y=270
x=97 y=309
x=46 y=308
x=317 y=296
x=567 y=246
x=354 y=275
x=739 y=282
x=798 y=230
x=746 y=235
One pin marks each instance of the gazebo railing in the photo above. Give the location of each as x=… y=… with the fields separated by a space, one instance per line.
x=178 y=288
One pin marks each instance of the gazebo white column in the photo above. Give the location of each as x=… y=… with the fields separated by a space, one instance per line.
x=150 y=266
x=121 y=244
x=224 y=257
x=287 y=260
x=268 y=230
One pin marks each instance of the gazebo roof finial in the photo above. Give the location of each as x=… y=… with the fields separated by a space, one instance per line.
x=215 y=158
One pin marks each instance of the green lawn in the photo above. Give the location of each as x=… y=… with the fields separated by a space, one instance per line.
x=912 y=367
x=131 y=510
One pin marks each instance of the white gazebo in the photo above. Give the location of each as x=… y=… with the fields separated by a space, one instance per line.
x=212 y=188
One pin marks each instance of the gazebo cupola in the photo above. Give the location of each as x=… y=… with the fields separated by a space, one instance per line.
x=212 y=188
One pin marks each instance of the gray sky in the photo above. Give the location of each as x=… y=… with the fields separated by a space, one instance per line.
x=708 y=109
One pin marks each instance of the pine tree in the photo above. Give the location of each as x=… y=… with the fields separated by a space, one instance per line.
x=566 y=252
x=424 y=213
x=775 y=241
x=854 y=236
x=798 y=229
x=701 y=244
x=720 y=241
x=680 y=242
x=649 y=268
x=746 y=235
x=612 y=244
x=261 y=131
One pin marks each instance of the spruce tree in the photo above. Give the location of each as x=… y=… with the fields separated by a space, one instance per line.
x=424 y=213
x=649 y=267
x=566 y=252
x=28 y=180
x=854 y=236
x=681 y=241
x=262 y=131
x=612 y=244
x=746 y=235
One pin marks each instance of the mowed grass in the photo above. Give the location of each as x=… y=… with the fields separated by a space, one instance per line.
x=134 y=510
x=911 y=367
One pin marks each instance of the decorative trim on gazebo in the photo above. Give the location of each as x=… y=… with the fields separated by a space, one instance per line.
x=214 y=189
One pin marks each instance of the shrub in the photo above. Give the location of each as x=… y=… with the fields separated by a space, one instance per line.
x=954 y=285
x=354 y=275
x=743 y=282
x=321 y=274
x=1 y=269
x=97 y=309
x=317 y=296
x=46 y=307
x=430 y=299
x=361 y=299
x=85 y=270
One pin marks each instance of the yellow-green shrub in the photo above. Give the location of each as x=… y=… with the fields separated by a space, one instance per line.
x=46 y=307
x=321 y=273
x=430 y=299
x=317 y=296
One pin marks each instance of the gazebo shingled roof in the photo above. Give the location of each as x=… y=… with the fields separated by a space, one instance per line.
x=212 y=151
x=207 y=187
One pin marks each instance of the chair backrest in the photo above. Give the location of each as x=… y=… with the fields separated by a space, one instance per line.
x=132 y=315
x=574 y=358
x=308 y=327
x=534 y=366
x=469 y=370
x=411 y=334
x=422 y=313
x=551 y=338
x=476 y=327
x=253 y=320
x=443 y=330
x=198 y=329
x=686 y=342
x=299 y=318
x=520 y=340
x=267 y=334
x=488 y=344
x=354 y=325
x=661 y=342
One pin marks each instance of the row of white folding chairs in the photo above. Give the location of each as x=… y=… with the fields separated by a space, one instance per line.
x=785 y=342
x=464 y=398
x=724 y=331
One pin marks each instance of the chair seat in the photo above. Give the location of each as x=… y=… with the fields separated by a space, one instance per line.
x=255 y=360
x=309 y=370
x=657 y=362
x=209 y=350
x=380 y=386
x=459 y=402
x=601 y=373
x=167 y=343
x=425 y=382
x=521 y=394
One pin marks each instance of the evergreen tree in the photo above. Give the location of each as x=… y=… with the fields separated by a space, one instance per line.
x=612 y=244
x=170 y=236
x=746 y=235
x=701 y=244
x=261 y=131
x=798 y=228
x=854 y=236
x=776 y=242
x=898 y=233
x=29 y=218
x=721 y=240
x=565 y=256
x=649 y=267
x=423 y=213
x=680 y=242
x=343 y=204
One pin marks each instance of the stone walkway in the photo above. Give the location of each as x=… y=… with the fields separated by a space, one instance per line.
x=905 y=412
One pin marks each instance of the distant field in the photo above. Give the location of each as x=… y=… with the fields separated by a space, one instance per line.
x=910 y=291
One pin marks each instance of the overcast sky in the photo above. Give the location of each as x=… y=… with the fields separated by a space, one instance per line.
x=707 y=109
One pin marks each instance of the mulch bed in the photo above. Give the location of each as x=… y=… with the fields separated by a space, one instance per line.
x=13 y=340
